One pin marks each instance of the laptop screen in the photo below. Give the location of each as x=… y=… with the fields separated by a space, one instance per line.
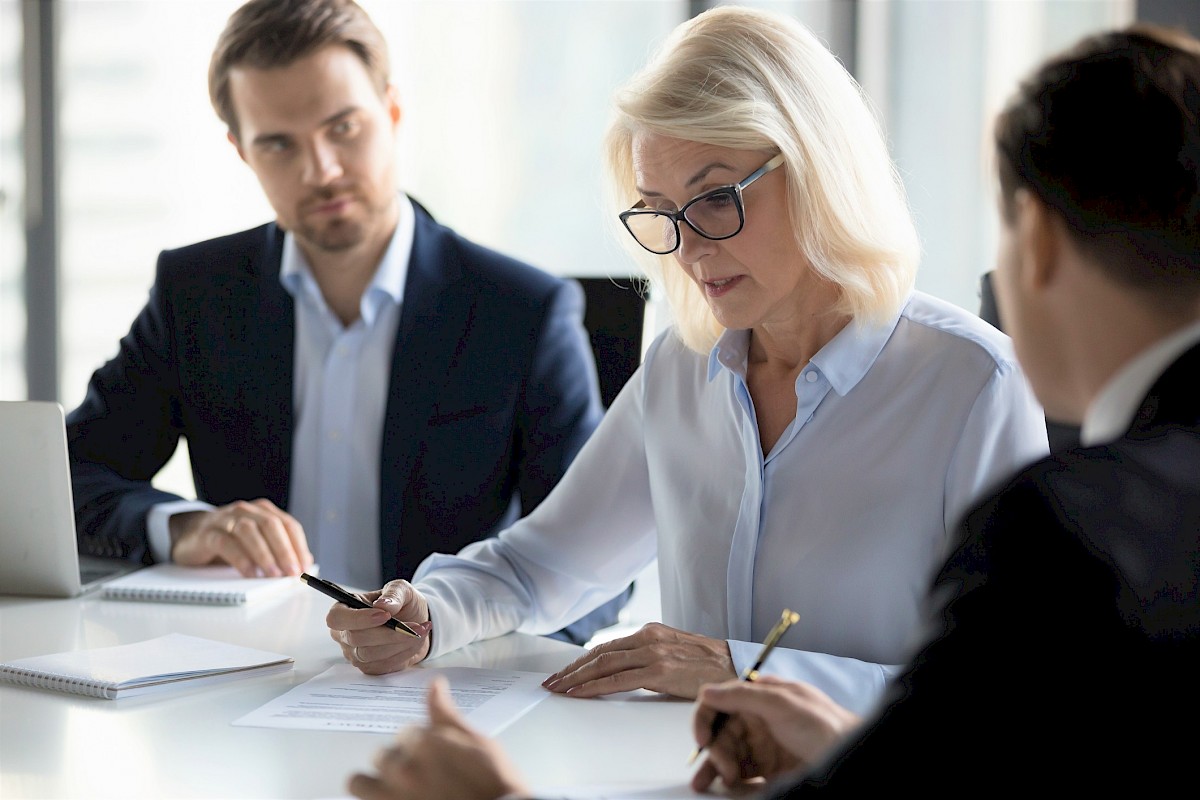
x=38 y=550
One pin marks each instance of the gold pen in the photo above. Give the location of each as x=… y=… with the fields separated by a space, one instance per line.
x=787 y=620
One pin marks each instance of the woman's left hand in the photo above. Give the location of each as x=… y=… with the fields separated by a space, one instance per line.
x=657 y=658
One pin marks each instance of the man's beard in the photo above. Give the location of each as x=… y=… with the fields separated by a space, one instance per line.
x=338 y=235
x=335 y=237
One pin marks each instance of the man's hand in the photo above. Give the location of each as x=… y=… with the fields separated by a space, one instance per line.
x=775 y=726
x=373 y=648
x=657 y=657
x=444 y=759
x=256 y=537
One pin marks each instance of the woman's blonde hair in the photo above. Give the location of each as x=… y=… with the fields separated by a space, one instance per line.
x=753 y=80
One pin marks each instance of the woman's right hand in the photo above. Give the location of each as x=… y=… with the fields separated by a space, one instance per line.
x=775 y=726
x=370 y=646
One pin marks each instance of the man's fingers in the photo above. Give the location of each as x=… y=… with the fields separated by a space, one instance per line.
x=367 y=787
x=704 y=777
x=256 y=538
x=442 y=710
x=702 y=721
x=279 y=542
x=262 y=530
x=292 y=529
x=212 y=544
x=246 y=533
x=742 y=697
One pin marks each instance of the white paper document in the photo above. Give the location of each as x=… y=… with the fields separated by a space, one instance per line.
x=343 y=699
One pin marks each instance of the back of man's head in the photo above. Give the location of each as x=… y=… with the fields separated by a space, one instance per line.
x=1108 y=135
x=266 y=34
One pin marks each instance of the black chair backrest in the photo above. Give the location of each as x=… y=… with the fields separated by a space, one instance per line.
x=614 y=315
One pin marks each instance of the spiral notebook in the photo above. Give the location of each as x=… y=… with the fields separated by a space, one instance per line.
x=172 y=583
x=172 y=661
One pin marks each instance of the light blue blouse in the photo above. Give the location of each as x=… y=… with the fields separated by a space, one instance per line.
x=898 y=430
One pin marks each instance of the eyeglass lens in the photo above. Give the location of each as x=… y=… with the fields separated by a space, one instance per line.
x=715 y=215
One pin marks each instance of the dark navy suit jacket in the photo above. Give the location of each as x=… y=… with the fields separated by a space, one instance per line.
x=1069 y=661
x=493 y=391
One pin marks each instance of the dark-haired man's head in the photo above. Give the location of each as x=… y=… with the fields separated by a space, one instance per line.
x=1099 y=169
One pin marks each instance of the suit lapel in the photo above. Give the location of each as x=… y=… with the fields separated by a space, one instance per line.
x=270 y=393
x=435 y=311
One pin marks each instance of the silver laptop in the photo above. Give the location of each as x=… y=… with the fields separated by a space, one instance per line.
x=39 y=554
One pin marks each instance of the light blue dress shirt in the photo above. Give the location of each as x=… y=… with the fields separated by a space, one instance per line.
x=340 y=388
x=898 y=430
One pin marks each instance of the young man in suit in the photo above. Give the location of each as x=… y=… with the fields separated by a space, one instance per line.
x=1069 y=655
x=356 y=382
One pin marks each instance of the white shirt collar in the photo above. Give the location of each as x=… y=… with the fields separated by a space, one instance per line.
x=388 y=282
x=1109 y=416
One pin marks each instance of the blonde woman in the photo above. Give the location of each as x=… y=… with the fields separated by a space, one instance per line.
x=806 y=436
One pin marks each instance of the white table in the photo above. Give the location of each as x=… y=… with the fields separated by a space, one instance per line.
x=182 y=745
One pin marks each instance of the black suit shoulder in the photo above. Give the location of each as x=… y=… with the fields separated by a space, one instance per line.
x=1124 y=519
x=212 y=264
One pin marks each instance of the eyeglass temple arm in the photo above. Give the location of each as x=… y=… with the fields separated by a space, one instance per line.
x=763 y=170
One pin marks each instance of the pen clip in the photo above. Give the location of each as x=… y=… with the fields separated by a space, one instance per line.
x=786 y=620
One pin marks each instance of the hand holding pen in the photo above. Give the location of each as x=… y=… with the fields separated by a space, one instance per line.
x=379 y=632
x=331 y=589
x=786 y=620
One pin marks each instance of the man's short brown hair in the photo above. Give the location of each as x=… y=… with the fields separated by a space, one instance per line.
x=267 y=34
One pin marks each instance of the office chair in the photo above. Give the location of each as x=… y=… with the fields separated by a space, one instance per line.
x=1061 y=436
x=613 y=316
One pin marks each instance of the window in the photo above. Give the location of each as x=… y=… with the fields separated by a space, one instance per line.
x=12 y=183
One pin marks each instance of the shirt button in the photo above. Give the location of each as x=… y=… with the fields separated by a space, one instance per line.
x=335 y=435
x=810 y=376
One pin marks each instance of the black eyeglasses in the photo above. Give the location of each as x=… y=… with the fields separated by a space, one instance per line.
x=718 y=214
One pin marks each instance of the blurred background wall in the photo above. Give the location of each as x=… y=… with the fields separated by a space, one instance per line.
x=110 y=152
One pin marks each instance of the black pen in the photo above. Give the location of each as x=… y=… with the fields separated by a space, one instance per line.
x=721 y=719
x=342 y=596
